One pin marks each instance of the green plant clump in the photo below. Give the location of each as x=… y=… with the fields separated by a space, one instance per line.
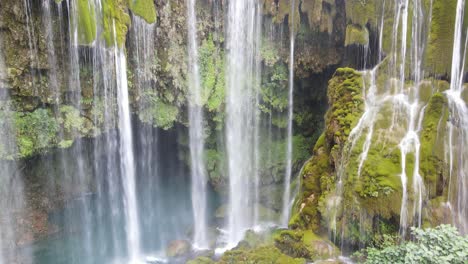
x=36 y=131
x=442 y=244
x=157 y=112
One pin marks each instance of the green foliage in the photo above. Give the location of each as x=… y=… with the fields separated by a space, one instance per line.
x=211 y=60
x=36 y=131
x=216 y=166
x=157 y=112
x=274 y=89
x=71 y=120
x=269 y=53
x=144 y=9
x=442 y=244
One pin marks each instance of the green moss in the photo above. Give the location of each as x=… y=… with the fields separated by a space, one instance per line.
x=211 y=60
x=441 y=36
x=432 y=145
x=304 y=244
x=201 y=260
x=72 y=121
x=86 y=22
x=35 y=132
x=115 y=22
x=318 y=175
x=344 y=93
x=361 y=12
x=357 y=35
x=264 y=254
x=273 y=90
x=144 y=9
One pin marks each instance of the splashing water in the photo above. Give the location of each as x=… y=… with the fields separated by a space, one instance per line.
x=126 y=152
x=242 y=73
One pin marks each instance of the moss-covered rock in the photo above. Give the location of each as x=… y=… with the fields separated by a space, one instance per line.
x=305 y=244
x=144 y=9
x=264 y=254
x=356 y=35
x=432 y=143
x=86 y=21
x=317 y=178
x=201 y=260
x=441 y=36
x=115 y=22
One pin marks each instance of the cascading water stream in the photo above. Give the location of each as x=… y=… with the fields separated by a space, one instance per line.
x=196 y=134
x=127 y=165
x=289 y=135
x=51 y=56
x=32 y=43
x=409 y=101
x=457 y=129
x=109 y=190
x=241 y=86
x=257 y=122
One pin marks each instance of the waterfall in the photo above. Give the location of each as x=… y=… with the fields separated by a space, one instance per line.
x=32 y=43
x=76 y=171
x=458 y=133
x=108 y=184
x=142 y=54
x=51 y=56
x=127 y=165
x=11 y=184
x=412 y=110
x=289 y=135
x=196 y=133
x=241 y=93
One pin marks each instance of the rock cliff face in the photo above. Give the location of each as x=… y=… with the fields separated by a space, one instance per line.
x=46 y=100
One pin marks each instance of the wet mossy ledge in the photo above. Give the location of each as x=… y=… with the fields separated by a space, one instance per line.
x=277 y=246
x=43 y=129
x=115 y=19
